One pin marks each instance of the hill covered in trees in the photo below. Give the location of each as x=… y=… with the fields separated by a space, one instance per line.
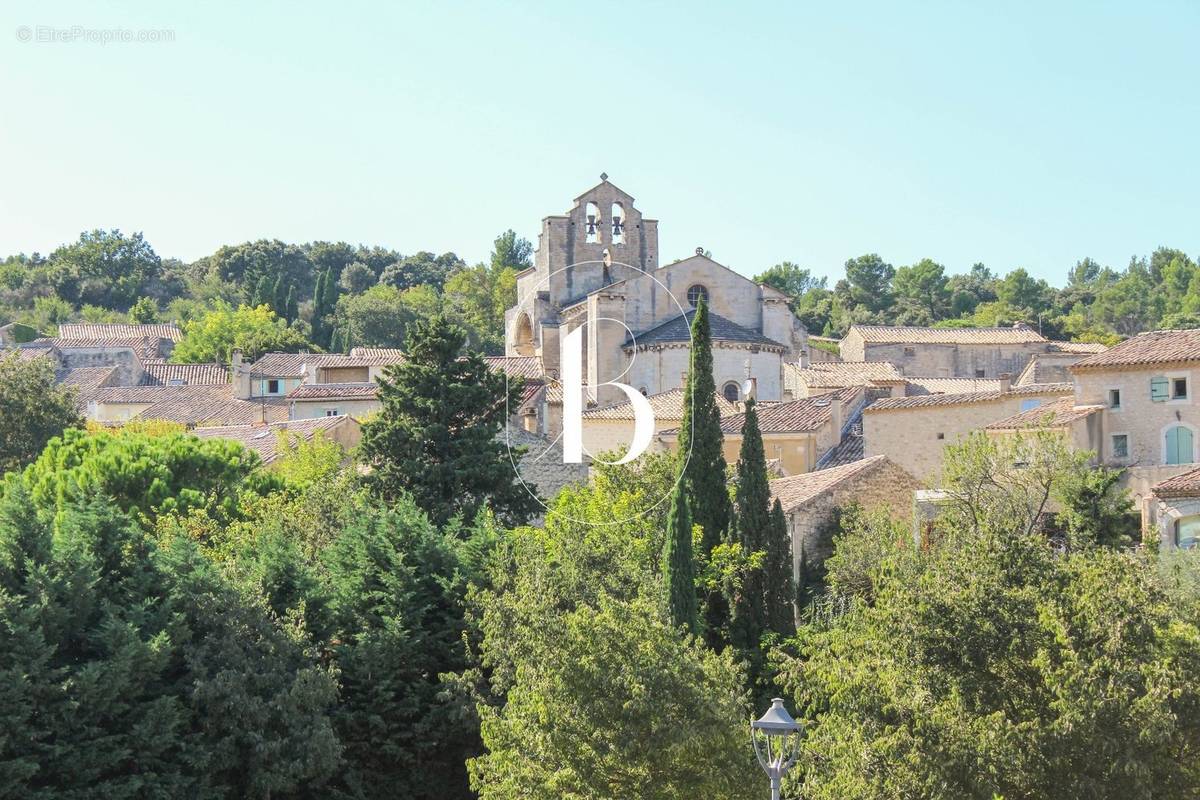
x=334 y=295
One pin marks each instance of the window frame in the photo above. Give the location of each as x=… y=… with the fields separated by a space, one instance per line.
x=703 y=294
x=1112 y=449
x=737 y=389
x=278 y=389
x=1111 y=391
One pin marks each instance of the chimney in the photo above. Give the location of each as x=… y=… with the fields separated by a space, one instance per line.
x=1005 y=381
x=835 y=415
x=239 y=375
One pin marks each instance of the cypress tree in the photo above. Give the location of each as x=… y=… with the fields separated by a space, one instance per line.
x=753 y=525
x=679 y=575
x=329 y=295
x=700 y=434
x=262 y=292
x=777 y=570
x=700 y=442
x=318 y=316
x=291 y=305
x=279 y=297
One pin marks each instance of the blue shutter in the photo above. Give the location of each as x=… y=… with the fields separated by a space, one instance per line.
x=1158 y=390
x=1179 y=445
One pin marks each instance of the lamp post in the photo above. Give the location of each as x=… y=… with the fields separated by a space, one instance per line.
x=776 y=739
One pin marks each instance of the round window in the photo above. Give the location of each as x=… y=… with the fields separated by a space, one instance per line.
x=731 y=391
x=695 y=294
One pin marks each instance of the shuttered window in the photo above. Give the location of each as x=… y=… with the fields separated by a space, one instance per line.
x=1159 y=389
x=1179 y=445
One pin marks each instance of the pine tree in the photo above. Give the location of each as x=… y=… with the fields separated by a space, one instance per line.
x=679 y=574
x=292 y=305
x=781 y=592
x=436 y=435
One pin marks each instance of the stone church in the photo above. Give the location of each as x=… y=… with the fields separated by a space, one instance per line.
x=597 y=266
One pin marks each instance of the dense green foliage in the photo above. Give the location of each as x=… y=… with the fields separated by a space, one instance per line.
x=989 y=663
x=213 y=335
x=33 y=409
x=679 y=568
x=436 y=435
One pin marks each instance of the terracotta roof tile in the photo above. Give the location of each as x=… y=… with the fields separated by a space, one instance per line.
x=935 y=400
x=836 y=374
x=283 y=365
x=163 y=374
x=1055 y=414
x=264 y=439
x=334 y=391
x=381 y=358
x=797 y=490
x=897 y=334
x=797 y=416
x=666 y=405
x=1186 y=484
x=195 y=405
x=118 y=330
x=528 y=367
x=1152 y=347
x=922 y=386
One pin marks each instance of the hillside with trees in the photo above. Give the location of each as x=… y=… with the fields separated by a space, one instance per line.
x=272 y=295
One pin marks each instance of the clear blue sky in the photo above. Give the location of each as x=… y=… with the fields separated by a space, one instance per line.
x=1016 y=135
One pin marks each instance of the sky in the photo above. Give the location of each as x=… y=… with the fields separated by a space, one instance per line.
x=1019 y=135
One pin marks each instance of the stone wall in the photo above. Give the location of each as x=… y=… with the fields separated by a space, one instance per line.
x=311 y=409
x=1145 y=422
x=952 y=360
x=915 y=438
x=129 y=366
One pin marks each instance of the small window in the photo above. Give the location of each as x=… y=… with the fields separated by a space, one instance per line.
x=731 y=391
x=1179 y=388
x=695 y=294
x=979 y=373
x=273 y=386
x=1187 y=531
x=910 y=351
x=1114 y=398
x=331 y=412
x=1030 y=403
x=941 y=436
x=176 y=382
x=1120 y=445
x=1158 y=390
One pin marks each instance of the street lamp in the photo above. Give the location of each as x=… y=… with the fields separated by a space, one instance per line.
x=776 y=739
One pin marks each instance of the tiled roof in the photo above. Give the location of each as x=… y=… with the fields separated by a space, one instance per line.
x=797 y=416
x=162 y=374
x=264 y=439
x=797 y=490
x=1186 y=484
x=283 y=365
x=1054 y=414
x=151 y=348
x=666 y=405
x=530 y=393
x=27 y=353
x=334 y=391
x=195 y=405
x=1047 y=368
x=1153 y=347
x=118 y=330
x=897 y=334
x=87 y=380
x=923 y=386
x=1079 y=348
x=935 y=400
x=830 y=374
x=679 y=329
x=377 y=352
x=380 y=358
x=528 y=367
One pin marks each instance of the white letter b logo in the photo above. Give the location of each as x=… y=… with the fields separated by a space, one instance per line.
x=571 y=360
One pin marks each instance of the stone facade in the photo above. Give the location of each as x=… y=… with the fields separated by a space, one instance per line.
x=596 y=268
x=948 y=353
x=915 y=436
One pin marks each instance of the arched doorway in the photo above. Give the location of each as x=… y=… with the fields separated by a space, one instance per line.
x=523 y=336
